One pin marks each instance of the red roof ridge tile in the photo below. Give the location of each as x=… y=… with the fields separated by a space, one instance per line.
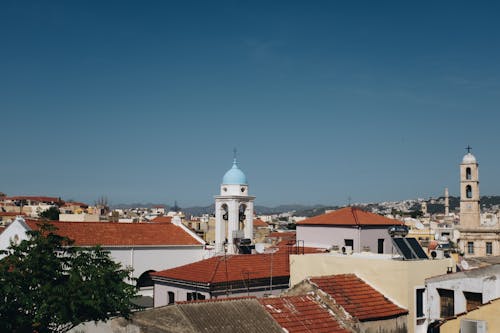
x=218 y=300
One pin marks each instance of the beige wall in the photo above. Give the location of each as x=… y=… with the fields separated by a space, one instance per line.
x=396 y=279
x=487 y=312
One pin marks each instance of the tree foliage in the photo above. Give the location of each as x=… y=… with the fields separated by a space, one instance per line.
x=51 y=214
x=47 y=285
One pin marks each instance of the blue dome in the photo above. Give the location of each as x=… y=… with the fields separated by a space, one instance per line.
x=234 y=176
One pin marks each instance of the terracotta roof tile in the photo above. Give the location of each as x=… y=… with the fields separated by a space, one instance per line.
x=122 y=234
x=238 y=267
x=259 y=223
x=299 y=314
x=283 y=235
x=14 y=214
x=357 y=297
x=162 y=219
x=35 y=198
x=350 y=216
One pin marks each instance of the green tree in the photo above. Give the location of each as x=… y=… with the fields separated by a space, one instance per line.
x=51 y=214
x=48 y=285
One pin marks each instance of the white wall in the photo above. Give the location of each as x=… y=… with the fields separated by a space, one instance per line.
x=16 y=228
x=488 y=285
x=161 y=293
x=326 y=236
x=143 y=259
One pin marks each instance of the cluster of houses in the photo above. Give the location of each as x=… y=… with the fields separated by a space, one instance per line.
x=347 y=270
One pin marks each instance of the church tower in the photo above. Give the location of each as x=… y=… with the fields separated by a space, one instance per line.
x=233 y=210
x=470 y=215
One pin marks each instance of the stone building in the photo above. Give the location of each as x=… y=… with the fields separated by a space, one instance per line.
x=476 y=239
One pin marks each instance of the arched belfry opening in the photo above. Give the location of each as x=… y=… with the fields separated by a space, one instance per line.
x=468 y=192
x=468 y=174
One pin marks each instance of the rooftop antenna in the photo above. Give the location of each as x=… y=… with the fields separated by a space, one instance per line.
x=349 y=201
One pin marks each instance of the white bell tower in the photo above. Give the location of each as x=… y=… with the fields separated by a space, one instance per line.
x=233 y=210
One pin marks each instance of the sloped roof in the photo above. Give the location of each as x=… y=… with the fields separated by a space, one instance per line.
x=350 y=216
x=299 y=314
x=358 y=298
x=212 y=316
x=259 y=223
x=283 y=235
x=236 y=315
x=14 y=214
x=122 y=234
x=221 y=269
x=162 y=219
x=35 y=198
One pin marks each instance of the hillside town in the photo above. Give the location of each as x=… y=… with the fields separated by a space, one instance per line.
x=411 y=266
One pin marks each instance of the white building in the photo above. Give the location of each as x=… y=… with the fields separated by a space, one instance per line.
x=145 y=247
x=233 y=210
x=452 y=294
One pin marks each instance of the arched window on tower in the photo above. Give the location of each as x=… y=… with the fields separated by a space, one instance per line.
x=241 y=216
x=468 y=191
x=468 y=174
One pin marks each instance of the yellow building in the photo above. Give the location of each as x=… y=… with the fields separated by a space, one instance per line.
x=402 y=281
x=484 y=316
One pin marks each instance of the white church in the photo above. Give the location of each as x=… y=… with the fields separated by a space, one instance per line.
x=233 y=211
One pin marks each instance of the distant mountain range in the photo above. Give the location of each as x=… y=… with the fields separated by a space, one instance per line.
x=433 y=206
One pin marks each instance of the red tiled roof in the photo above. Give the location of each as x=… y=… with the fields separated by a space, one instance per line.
x=358 y=298
x=283 y=235
x=35 y=198
x=230 y=268
x=162 y=219
x=299 y=314
x=259 y=223
x=11 y=214
x=124 y=234
x=350 y=216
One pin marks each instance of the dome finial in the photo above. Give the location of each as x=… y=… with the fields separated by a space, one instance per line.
x=468 y=148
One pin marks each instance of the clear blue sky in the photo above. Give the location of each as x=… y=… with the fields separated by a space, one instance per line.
x=144 y=101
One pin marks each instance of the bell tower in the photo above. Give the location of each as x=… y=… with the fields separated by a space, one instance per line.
x=470 y=215
x=233 y=210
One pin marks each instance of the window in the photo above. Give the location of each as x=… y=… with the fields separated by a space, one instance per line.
x=468 y=174
x=447 y=303
x=468 y=191
x=473 y=300
x=349 y=242
x=470 y=247
x=380 y=245
x=489 y=248
x=171 y=297
x=193 y=296
x=420 y=302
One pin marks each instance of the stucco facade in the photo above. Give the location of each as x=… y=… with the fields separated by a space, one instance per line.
x=398 y=280
x=482 y=282
x=365 y=238
x=487 y=313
